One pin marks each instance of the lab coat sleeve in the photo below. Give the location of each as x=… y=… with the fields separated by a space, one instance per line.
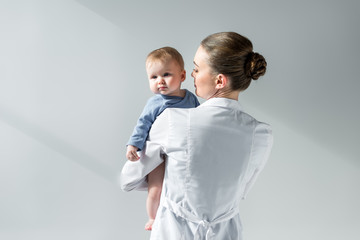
x=260 y=151
x=134 y=173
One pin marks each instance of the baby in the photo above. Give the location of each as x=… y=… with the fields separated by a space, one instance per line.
x=165 y=71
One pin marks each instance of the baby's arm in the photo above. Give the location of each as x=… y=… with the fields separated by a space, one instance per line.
x=131 y=153
x=141 y=130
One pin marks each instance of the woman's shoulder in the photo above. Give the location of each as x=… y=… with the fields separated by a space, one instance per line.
x=259 y=126
x=174 y=113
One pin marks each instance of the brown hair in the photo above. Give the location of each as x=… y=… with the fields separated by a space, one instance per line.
x=232 y=55
x=165 y=54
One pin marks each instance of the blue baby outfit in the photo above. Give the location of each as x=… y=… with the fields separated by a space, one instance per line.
x=153 y=108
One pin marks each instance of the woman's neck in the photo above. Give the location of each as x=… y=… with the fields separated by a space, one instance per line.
x=220 y=93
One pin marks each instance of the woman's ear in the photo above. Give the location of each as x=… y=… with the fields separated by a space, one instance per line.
x=221 y=81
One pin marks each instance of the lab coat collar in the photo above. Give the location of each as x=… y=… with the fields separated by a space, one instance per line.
x=222 y=102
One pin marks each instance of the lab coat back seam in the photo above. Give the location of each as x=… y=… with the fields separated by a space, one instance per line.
x=188 y=152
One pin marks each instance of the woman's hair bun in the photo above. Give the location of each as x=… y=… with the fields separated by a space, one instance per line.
x=255 y=65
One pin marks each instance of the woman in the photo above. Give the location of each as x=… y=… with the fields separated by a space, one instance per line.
x=213 y=152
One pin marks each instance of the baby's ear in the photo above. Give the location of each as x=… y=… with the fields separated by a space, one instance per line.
x=183 y=75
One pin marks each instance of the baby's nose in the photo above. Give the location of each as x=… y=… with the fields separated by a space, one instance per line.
x=161 y=80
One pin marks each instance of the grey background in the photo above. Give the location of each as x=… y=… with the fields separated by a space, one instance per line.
x=72 y=84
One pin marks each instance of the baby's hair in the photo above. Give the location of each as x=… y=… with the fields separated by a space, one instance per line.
x=232 y=54
x=165 y=54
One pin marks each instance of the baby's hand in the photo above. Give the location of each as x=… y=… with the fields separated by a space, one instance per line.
x=131 y=153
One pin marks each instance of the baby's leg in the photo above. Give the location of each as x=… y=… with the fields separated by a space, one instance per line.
x=155 y=180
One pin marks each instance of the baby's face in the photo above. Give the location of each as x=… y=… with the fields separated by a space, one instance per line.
x=165 y=77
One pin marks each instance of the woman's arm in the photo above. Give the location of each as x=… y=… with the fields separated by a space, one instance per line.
x=260 y=152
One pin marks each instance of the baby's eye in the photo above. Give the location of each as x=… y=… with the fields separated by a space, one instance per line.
x=167 y=74
x=153 y=77
x=195 y=70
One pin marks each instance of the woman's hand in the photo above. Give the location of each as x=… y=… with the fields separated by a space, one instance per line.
x=131 y=153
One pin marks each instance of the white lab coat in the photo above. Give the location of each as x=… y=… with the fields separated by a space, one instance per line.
x=213 y=155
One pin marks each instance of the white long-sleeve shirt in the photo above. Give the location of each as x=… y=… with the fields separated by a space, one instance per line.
x=213 y=155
